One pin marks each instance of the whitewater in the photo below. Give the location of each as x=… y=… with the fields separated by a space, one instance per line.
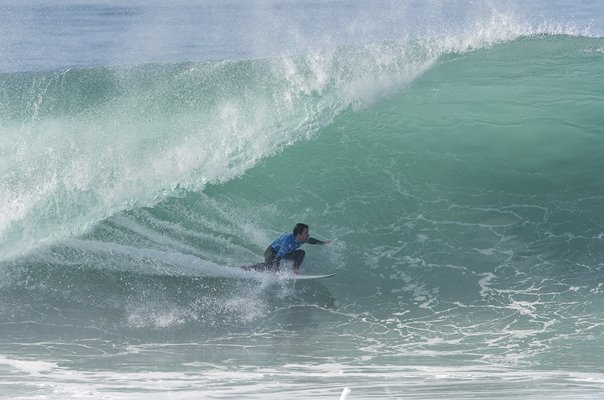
x=452 y=151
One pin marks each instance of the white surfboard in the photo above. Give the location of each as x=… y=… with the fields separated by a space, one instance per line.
x=284 y=274
x=304 y=277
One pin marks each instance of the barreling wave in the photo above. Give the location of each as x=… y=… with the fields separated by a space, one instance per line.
x=80 y=145
x=452 y=150
x=463 y=191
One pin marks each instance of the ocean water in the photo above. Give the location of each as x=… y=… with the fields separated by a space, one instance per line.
x=452 y=150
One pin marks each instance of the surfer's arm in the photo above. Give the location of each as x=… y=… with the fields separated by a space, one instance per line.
x=317 y=241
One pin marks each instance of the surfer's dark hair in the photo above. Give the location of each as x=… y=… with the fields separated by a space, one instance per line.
x=299 y=228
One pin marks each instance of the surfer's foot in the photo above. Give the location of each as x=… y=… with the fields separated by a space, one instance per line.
x=254 y=267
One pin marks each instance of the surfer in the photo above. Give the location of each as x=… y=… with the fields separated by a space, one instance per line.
x=287 y=247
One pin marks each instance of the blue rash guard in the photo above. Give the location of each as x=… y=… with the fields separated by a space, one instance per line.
x=285 y=244
x=286 y=247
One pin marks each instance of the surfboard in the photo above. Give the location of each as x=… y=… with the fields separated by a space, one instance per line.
x=285 y=275
x=305 y=277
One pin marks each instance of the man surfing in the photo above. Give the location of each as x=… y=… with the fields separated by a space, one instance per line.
x=286 y=247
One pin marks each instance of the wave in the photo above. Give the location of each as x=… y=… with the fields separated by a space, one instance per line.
x=457 y=167
x=464 y=201
x=81 y=145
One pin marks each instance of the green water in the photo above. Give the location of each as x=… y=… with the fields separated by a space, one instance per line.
x=465 y=204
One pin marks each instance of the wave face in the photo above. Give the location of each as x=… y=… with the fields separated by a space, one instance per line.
x=83 y=145
x=461 y=181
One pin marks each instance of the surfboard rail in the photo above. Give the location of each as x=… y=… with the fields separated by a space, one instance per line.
x=285 y=275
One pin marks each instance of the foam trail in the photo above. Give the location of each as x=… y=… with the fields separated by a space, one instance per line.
x=154 y=262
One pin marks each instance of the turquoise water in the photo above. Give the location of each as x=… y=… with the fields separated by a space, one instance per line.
x=458 y=174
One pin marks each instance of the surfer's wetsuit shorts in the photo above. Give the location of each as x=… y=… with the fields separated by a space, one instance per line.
x=270 y=256
x=286 y=243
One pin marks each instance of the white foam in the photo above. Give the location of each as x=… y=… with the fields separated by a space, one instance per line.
x=298 y=381
x=486 y=252
x=345 y=393
x=33 y=367
x=422 y=238
x=158 y=316
x=152 y=261
x=524 y=307
x=485 y=283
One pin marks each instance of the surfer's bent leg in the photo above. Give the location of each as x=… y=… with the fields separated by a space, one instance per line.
x=297 y=257
x=270 y=256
